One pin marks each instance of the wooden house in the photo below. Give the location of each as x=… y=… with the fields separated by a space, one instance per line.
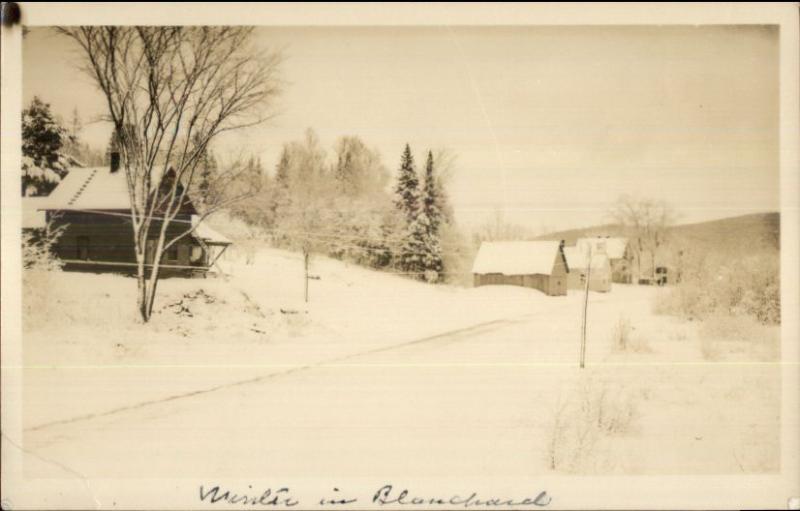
x=93 y=206
x=600 y=276
x=537 y=264
x=619 y=252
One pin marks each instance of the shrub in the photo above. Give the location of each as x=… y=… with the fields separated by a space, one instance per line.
x=726 y=285
x=38 y=263
x=623 y=338
x=593 y=414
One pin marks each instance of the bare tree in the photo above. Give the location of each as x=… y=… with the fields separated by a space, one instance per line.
x=647 y=222
x=170 y=91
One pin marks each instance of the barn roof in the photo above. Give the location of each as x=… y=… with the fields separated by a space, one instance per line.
x=614 y=247
x=516 y=257
x=576 y=259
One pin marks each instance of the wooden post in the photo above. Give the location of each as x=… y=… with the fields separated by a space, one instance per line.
x=585 y=306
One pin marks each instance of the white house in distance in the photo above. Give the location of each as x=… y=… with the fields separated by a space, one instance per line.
x=537 y=264
x=599 y=277
x=619 y=252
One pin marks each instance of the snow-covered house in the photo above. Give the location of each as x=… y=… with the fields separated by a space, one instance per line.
x=537 y=264
x=578 y=263
x=619 y=252
x=93 y=205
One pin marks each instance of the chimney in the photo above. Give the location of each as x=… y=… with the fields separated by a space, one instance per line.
x=115 y=160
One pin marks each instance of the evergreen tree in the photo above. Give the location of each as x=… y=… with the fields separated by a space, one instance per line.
x=407 y=189
x=208 y=169
x=43 y=138
x=430 y=206
x=430 y=198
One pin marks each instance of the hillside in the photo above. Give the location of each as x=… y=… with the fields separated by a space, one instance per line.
x=760 y=229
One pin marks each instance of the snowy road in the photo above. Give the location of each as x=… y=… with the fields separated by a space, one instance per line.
x=383 y=377
x=447 y=404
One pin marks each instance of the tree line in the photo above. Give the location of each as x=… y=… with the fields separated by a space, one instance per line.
x=342 y=204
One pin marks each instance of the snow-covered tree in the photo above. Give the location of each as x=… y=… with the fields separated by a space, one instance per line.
x=358 y=170
x=420 y=250
x=44 y=162
x=431 y=208
x=407 y=190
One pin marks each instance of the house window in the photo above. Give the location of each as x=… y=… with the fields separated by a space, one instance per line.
x=82 y=246
x=172 y=253
x=196 y=254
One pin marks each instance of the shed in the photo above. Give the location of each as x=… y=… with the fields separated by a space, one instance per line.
x=599 y=277
x=536 y=264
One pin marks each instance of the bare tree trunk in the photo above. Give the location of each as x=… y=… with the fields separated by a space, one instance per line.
x=141 y=276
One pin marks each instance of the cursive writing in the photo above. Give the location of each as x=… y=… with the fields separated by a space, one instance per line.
x=268 y=497
x=386 y=495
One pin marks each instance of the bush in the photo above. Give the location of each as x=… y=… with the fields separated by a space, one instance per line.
x=38 y=263
x=594 y=412
x=623 y=338
x=37 y=250
x=728 y=286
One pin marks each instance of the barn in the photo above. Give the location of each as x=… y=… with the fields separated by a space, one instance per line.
x=92 y=206
x=599 y=277
x=537 y=264
x=619 y=252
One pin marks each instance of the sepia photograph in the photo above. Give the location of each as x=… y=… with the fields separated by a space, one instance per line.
x=313 y=260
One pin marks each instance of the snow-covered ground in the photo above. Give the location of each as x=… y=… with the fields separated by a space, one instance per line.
x=461 y=381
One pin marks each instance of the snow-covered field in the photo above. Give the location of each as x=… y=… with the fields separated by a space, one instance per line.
x=463 y=381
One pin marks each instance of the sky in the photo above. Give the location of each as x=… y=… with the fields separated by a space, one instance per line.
x=549 y=125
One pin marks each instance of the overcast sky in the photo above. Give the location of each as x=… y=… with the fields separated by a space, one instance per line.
x=549 y=124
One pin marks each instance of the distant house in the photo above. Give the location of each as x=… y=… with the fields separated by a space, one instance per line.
x=93 y=205
x=600 y=276
x=619 y=252
x=537 y=264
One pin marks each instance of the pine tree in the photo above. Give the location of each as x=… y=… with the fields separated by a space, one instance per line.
x=430 y=205
x=44 y=163
x=407 y=189
x=431 y=199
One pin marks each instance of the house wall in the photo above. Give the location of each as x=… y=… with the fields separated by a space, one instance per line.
x=622 y=268
x=600 y=279
x=554 y=284
x=550 y=285
x=557 y=280
x=102 y=238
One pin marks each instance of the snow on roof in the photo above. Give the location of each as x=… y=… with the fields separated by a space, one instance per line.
x=613 y=247
x=208 y=235
x=90 y=188
x=576 y=259
x=516 y=257
x=32 y=216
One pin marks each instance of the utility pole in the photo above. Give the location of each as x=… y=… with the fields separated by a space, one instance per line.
x=305 y=277
x=585 y=305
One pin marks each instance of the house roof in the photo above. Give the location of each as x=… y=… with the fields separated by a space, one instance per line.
x=208 y=235
x=613 y=247
x=32 y=215
x=516 y=257
x=94 y=188
x=90 y=188
x=576 y=259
